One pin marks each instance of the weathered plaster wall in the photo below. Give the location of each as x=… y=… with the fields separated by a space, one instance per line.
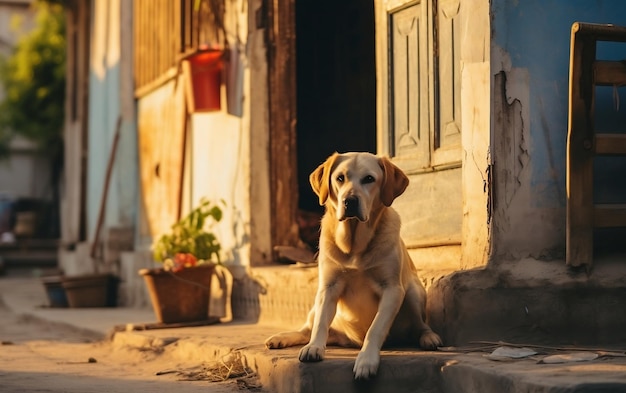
x=229 y=158
x=220 y=171
x=529 y=78
x=475 y=120
x=107 y=101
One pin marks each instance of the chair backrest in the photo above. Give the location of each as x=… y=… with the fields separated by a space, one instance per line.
x=583 y=142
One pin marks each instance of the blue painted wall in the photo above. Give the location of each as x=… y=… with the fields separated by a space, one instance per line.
x=536 y=36
x=109 y=98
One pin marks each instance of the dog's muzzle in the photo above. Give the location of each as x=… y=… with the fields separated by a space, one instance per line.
x=352 y=208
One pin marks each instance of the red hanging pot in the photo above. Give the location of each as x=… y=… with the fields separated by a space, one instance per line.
x=204 y=78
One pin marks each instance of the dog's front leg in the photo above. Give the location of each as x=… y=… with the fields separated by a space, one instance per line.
x=416 y=299
x=325 y=308
x=368 y=359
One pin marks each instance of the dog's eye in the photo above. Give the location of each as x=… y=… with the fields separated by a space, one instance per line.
x=340 y=179
x=368 y=179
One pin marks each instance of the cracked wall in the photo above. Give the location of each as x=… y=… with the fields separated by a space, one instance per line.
x=476 y=164
x=519 y=228
x=529 y=78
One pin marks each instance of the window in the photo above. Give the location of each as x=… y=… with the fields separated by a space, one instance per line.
x=424 y=88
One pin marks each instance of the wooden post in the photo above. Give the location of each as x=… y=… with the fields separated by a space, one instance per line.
x=105 y=191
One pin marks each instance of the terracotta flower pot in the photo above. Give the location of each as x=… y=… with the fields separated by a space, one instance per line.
x=181 y=296
x=55 y=291
x=91 y=290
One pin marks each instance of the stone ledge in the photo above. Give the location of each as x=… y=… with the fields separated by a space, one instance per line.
x=531 y=301
x=401 y=370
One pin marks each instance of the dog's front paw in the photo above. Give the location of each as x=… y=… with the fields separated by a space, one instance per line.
x=275 y=342
x=366 y=365
x=430 y=340
x=311 y=353
x=286 y=339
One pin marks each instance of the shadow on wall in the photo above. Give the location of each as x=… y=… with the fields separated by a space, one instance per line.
x=276 y=296
x=245 y=298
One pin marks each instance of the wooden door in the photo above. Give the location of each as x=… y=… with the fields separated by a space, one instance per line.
x=282 y=121
x=419 y=113
x=73 y=207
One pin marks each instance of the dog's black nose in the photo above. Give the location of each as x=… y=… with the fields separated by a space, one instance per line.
x=352 y=206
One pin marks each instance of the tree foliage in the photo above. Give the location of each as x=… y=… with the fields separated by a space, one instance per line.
x=33 y=78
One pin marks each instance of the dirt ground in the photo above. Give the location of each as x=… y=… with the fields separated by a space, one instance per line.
x=36 y=356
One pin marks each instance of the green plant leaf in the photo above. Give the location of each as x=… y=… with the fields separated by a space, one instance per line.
x=192 y=235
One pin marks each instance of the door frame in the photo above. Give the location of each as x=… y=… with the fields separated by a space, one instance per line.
x=281 y=55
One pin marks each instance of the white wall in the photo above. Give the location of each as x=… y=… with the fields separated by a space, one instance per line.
x=220 y=171
x=229 y=153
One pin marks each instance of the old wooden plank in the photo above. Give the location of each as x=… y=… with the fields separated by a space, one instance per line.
x=610 y=215
x=610 y=73
x=153 y=43
x=599 y=32
x=74 y=206
x=161 y=129
x=410 y=113
x=139 y=43
x=164 y=31
x=72 y=147
x=282 y=119
x=160 y=325
x=610 y=144
x=579 y=168
x=585 y=73
x=448 y=79
x=186 y=26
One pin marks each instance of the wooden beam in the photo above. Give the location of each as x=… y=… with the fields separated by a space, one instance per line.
x=609 y=216
x=600 y=32
x=105 y=192
x=610 y=144
x=579 y=175
x=609 y=73
x=282 y=118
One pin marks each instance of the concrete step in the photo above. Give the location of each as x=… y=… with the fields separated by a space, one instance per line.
x=533 y=302
x=401 y=370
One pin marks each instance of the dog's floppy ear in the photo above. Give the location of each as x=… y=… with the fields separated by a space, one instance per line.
x=320 y=178
x=394 y=182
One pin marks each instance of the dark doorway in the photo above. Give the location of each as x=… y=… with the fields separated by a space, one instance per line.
x=336 y=85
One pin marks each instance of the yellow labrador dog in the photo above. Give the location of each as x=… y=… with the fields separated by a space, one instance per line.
x=369 y=293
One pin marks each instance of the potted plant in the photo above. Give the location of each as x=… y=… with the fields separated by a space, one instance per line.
x=180 y=288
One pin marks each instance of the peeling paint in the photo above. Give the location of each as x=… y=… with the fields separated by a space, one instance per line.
x=501 y=61
x=489 y=189
x=512 y=139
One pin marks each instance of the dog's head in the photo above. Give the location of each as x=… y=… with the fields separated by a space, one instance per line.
x=356 y=183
